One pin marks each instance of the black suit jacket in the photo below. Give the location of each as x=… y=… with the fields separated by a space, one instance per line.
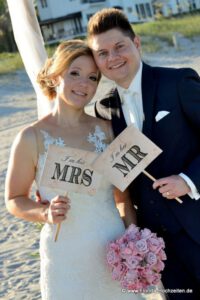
x=177 y=134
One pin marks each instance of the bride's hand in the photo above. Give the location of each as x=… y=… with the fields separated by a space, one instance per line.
x=57 y=210
x=39 y=200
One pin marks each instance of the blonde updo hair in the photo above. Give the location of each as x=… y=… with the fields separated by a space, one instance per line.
x=64 y=55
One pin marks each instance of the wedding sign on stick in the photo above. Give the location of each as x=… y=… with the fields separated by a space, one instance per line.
x=69 y=170
x=126 y=157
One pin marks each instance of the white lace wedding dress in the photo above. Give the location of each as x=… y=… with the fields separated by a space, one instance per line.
x=74 y=267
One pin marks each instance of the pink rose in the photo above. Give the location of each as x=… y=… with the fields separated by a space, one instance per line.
x=118 y=271
x=129 y=249
x=154 y=245
x=159 y=266
x=133 y=248
x=132 y=231
x=151 y=258
x=157 y=278
x=131 y=275
x=131 y=262
x=138 y=285
x=126 y=251
x=161 y=255
x=162 y=243
x=146 y=233
x=141 y=245
x=122 y=240
x=113 y=257
x=148 y=275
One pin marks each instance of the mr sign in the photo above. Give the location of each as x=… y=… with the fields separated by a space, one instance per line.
x=69 y=170
x=126 y=157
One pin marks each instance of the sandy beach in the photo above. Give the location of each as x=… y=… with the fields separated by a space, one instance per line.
x=19 y=240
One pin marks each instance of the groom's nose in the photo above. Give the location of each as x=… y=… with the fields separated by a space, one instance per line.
x=112 y=54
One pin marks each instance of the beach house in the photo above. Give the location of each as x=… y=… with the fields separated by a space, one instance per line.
x=175 y=7
x=63 y=19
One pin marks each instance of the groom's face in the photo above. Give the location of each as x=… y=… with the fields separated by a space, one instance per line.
x=116 y=55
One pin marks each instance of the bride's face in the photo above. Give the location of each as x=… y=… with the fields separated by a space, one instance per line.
x=79 y=83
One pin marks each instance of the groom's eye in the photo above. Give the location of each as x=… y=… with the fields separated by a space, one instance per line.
x=119 y=46
x=102 y=54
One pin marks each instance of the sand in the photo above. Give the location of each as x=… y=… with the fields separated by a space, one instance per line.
x=19 y=240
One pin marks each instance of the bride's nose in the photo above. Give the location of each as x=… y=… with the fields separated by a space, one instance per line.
x=83 y=81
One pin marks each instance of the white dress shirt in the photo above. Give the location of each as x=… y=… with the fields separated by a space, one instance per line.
x=131 y=98
x=132 y=108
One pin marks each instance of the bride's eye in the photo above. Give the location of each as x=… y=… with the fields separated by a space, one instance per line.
x=93 y=78
x=74 y=73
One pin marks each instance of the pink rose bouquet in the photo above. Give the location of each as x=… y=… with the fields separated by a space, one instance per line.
x=136 y=258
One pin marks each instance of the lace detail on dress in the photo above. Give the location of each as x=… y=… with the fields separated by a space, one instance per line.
x=97 y=138
x=49 y=140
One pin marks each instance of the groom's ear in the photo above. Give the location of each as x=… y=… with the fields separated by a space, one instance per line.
x=137 y=42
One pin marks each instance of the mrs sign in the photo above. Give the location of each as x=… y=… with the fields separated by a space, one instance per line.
x=69 y=169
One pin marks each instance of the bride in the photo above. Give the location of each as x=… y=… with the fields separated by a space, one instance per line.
x=74 y=267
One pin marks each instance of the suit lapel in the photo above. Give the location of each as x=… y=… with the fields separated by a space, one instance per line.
x=118 y=120
x=148 y=97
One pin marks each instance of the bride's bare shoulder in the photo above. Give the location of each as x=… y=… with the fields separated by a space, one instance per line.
x=27 y=135
x=42 y=123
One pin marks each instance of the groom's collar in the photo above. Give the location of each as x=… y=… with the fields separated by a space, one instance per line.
x=135 y=85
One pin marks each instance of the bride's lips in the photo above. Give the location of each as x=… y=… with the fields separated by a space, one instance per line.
x=79 y=93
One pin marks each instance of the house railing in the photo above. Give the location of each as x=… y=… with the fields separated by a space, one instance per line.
x=66 y=35
x=92 y=1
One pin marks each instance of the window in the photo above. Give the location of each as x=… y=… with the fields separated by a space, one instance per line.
x=144 y=11
x=43 y=3
x=192 y=5
x=138 y=12
x=179 y=8
x=148 y=10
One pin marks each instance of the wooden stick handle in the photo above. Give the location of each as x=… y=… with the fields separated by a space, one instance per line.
x=58 y=226
x=57 y=232
x=152 y=178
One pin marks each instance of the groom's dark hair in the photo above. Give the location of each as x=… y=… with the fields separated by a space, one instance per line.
x=109 y=18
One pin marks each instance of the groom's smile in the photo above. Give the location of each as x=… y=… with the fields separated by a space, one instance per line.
x=117 y=66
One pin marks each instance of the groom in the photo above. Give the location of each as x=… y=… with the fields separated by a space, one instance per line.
x=163 y=103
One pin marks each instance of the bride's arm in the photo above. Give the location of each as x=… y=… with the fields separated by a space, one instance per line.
x=30 y=44
x=20 y=176
x=125 y=206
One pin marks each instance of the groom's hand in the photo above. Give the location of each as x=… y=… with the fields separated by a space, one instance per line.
x=172 y=186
